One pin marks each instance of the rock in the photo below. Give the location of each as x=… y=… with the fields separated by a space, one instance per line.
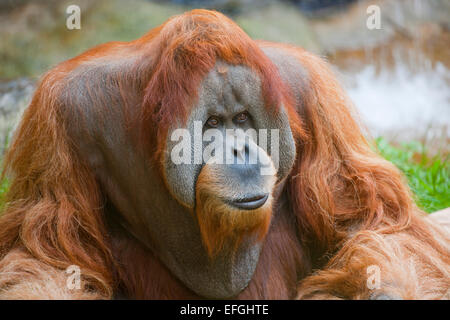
x=14 y=98
x=442 y=217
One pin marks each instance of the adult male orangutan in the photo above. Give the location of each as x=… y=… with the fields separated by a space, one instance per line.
x=93 y=181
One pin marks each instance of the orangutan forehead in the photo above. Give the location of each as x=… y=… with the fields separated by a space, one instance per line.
x=230 y=88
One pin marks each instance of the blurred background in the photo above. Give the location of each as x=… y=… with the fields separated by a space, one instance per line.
x=398 y=76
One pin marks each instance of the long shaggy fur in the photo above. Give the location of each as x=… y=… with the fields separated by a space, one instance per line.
x=351 y=209
x=53 y=212
x=355 y=207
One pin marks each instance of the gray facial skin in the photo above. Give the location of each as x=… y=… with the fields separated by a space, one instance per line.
x=160 y=213
x=225 y=95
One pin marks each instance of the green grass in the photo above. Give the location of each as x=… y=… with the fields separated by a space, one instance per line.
x=3 y=189
x=428 y=176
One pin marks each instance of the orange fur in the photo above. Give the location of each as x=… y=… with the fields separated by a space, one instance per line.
x=342 y=203
x=53 y=203
x=355 y=207
x=187 y=48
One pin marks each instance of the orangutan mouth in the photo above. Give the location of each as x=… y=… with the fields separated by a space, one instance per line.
x=250 y=203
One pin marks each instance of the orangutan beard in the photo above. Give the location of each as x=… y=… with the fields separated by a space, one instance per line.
x=224 y=227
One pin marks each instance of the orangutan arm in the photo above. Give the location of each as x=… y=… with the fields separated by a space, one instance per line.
x=24 y=278
x=372 y=265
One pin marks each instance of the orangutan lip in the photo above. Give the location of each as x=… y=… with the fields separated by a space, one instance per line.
x=250 y=203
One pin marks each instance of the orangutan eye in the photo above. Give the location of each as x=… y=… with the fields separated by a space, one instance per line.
x=213 y=122
x=241 y=117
